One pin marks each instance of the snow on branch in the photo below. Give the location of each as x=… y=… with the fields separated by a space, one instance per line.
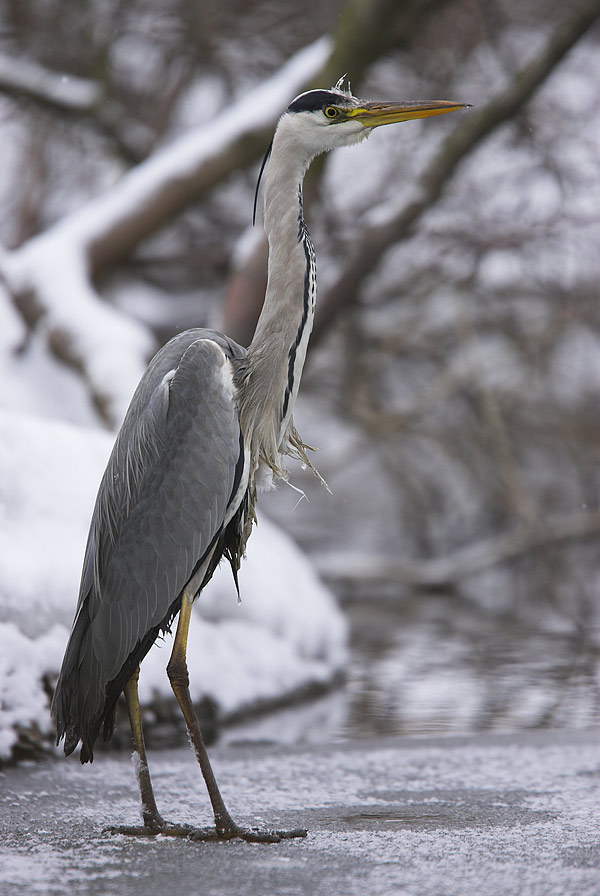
x=50 y=284
x=148 y=195
x=50 y=276
x=66 y=92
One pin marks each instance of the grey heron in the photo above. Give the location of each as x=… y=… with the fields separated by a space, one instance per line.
x=206 y=422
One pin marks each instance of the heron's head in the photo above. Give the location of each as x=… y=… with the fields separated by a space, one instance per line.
x=320 y=120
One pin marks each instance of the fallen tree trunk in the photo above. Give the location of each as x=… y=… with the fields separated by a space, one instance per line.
x=446 y=572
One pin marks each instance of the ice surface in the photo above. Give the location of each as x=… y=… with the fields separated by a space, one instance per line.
x=504 y=816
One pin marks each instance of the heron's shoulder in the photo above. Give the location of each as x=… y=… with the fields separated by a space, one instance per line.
x=171 y=354
x=188 y=382
x=168 y=359
x=205 y=367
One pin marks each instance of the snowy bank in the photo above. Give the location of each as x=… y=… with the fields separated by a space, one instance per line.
x=286 y=634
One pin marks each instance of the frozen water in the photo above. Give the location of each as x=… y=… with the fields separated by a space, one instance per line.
x=504 y=816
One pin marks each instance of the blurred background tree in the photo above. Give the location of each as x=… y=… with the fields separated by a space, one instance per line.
x=454 y=376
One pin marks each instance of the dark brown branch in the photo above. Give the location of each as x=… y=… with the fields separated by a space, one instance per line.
x=366 y=253
x=367 y=30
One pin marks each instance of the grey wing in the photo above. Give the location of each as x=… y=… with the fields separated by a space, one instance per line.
x=161 y=506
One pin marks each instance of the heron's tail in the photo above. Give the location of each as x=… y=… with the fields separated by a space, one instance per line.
x=78 y=703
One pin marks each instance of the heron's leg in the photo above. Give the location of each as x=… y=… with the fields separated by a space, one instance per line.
x=177 y=671
x=150 y=814
x=178 y=676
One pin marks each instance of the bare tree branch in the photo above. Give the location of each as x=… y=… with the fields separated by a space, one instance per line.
x=446 y=572
x=70 y=95
x=365 y=254
x=367 y=30
x=516 y=493
x=66 y=93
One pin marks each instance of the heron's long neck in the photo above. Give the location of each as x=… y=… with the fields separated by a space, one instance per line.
x=278 y=349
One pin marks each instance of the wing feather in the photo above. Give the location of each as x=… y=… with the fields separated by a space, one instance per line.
x=178 y=475
x=161 y=504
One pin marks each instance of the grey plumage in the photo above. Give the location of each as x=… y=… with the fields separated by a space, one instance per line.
x=179 y=490
x=159 y=515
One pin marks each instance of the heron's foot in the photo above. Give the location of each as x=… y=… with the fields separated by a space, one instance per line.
x=253 y=835
x=189 y=832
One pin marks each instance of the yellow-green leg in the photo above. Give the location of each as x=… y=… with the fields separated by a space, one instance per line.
x=225 y=827
x=153 y=822
x=177 y=671
x=150 y=814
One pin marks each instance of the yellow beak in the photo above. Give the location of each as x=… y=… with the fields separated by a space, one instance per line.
x=372 y=115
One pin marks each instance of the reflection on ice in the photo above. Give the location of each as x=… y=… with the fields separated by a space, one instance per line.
x=438 y=667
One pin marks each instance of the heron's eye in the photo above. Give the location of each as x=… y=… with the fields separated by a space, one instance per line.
x=330 y=112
